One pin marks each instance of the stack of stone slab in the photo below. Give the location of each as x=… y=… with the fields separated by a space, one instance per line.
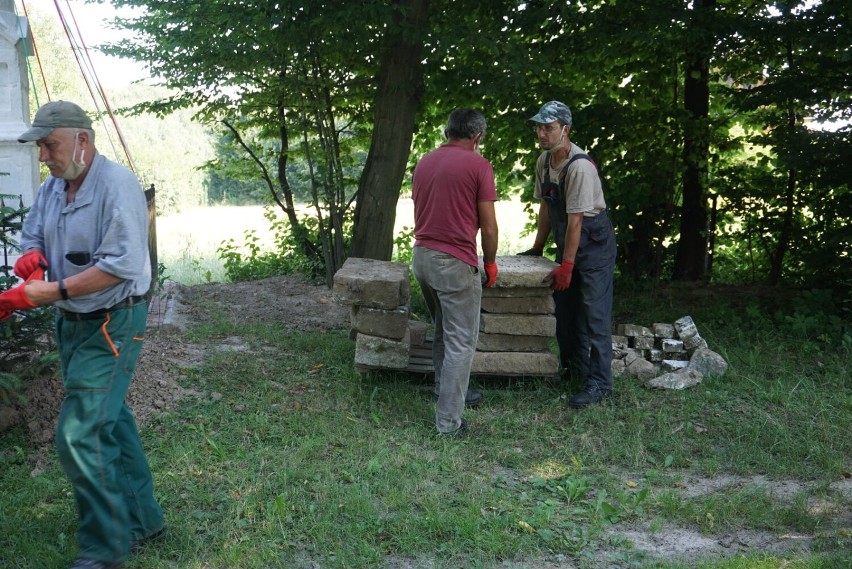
x=516 y=321
x=379 y=293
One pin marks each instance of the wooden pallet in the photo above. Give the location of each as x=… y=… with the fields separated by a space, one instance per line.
x=419 y=361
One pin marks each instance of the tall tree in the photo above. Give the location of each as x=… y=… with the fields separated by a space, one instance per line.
x=398 y=94
x=290 y=71
x=789 y=197
x=676 y=101
x=691 y=260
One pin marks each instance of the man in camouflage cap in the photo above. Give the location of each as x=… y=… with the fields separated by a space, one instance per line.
x=573 y=211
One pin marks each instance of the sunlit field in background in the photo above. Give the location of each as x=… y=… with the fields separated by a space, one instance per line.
x=187 y=241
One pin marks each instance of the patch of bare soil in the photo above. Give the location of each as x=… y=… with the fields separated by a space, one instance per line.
x=167 y=354
x=688 y=545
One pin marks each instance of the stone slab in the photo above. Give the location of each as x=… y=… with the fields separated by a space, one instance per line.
x=672 y=346
x=418 y=332
x=520 y=292
x=674 y=365
x=391 y=324
x=685 y=327
x=520 y=271
x=641 y=342
x=375 y=351
x=525 y=364
x=680 y=379
x=662 y=330
x=377 y=284
x=518 y=324
x=640 y=368
x=542 y=304
x=634 y=331
x=693 y=343
x=708 y=362
x=508 y=343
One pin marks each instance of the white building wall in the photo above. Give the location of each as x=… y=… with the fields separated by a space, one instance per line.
x=19 y=161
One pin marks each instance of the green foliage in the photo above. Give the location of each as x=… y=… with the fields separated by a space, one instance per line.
x=573 y=511
x=403 y=245
x=769 y=65
x=817 y=315
x=25 y=341
x=231 y=178
x=165 y=150
x=168 y=151
x=259 y=72
x=162 y=275
x=248 y=261
x=777 y=190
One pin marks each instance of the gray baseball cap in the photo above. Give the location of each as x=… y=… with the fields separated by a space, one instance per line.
x=56 y=114
x=553 y=111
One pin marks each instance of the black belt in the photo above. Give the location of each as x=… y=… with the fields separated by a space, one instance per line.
x=95 y=314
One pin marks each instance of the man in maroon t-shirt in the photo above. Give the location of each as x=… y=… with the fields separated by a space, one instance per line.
x=454 y=195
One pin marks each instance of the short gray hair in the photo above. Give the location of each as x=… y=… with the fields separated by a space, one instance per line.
x=72 y=131
x=465 y=123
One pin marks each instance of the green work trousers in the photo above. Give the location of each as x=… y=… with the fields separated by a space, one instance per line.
x=96 y=436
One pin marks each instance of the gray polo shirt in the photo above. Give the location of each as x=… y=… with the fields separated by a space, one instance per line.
x=105 y=226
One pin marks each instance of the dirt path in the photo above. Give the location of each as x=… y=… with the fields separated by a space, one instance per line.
x=167 y=353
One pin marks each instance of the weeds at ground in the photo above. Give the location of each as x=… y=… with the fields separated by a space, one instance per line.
x=290 y=458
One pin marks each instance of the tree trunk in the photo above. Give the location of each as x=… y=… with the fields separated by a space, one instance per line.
x=785 y=237
x=400 y=88
x=691 y=258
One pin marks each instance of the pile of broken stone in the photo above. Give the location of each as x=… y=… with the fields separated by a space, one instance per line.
x=667 y=356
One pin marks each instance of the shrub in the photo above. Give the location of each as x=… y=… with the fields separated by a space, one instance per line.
x=25 y=339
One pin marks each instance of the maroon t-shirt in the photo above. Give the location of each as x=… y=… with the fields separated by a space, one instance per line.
x=448 y=184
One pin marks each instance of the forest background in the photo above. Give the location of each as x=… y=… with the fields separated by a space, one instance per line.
x=720 y=127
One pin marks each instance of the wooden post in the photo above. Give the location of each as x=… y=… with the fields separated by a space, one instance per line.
x=152 y=236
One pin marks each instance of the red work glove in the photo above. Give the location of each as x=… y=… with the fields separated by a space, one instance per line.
x=561 y=276
x=29 y=262
x=16 y=298
x=491 y=272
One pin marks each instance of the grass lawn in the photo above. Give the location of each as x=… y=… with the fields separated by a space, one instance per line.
x=291 y=459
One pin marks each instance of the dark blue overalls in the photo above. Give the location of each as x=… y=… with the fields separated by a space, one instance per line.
x=584 y=309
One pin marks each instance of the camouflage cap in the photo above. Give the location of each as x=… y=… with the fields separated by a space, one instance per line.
x=56 y=114
x=553 y=111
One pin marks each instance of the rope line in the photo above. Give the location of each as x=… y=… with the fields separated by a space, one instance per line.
x=101 y=90
x=26 y=53
x=87 y=78
x=87 y=70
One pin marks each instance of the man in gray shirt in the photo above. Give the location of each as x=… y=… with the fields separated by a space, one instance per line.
x=88 y=228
